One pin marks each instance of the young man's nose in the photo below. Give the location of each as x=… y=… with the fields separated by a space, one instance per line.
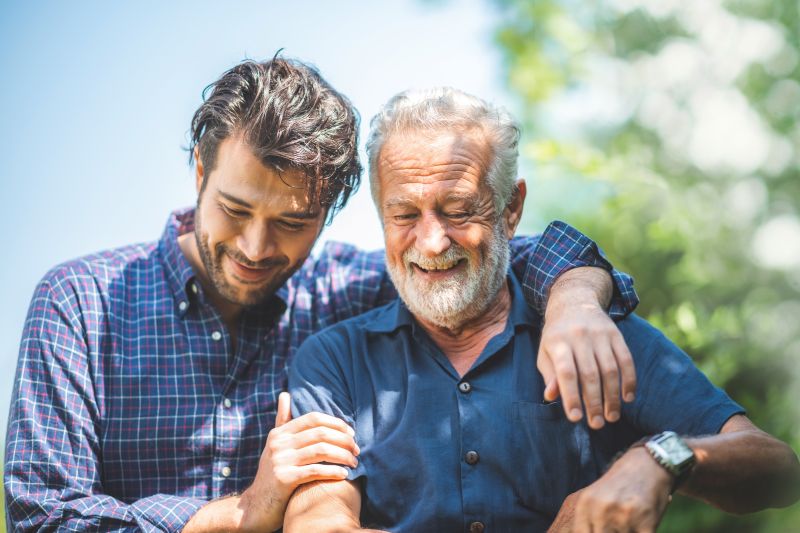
x=256 y=243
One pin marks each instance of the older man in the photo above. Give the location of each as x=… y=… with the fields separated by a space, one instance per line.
x=443 y=392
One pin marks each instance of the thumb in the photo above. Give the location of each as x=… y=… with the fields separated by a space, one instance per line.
x=284 y=409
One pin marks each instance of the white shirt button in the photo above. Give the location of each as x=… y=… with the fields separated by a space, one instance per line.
x=182 y=306
x=216 y=335
x=227 y=403
x=226 y=471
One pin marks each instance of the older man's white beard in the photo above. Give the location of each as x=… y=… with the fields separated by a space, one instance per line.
x=459 y=298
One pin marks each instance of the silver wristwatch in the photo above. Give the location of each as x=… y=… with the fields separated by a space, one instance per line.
x=672 y=453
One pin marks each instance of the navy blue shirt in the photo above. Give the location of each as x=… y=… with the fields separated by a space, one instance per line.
x=439 y=451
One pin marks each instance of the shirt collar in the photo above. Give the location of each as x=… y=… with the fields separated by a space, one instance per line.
x=396 y=314
x=182 y=279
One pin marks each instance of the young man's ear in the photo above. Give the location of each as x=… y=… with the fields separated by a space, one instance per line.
x=199 y=170
x=513 y=211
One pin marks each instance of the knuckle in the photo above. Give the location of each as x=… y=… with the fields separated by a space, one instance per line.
x=566 y=372
x=283 y=475
x=610 y=375
x=578 y=331
x=589 y=377
x=273 y=444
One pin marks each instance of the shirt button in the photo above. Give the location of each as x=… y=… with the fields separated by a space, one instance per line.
x=216 y=335
x=226 y=471
x=471 y=457
x=227 y=403
x=476 y=527
x=182 y=306
x=464 y=387
x=194 y=288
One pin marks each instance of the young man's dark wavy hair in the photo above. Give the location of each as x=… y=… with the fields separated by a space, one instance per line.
x=291 y=118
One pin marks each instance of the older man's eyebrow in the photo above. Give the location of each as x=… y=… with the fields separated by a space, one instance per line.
x=466 y=198
x=398 y=202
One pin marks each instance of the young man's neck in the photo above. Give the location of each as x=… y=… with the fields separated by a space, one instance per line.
x=230 y=312
x=463 y=343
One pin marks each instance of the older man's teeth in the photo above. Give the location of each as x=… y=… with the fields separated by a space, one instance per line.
x=429 y=268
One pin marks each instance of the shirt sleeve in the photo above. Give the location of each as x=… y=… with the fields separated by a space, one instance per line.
x=343 y=282
x=540 y=260
x=674 y=395
x=318 y=382
x=52 y=462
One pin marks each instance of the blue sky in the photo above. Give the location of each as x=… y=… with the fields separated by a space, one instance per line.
x=97 y=97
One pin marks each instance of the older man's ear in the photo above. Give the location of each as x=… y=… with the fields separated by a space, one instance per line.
x=513 y=211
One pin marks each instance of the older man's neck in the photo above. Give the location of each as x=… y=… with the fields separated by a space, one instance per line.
x=463 y=344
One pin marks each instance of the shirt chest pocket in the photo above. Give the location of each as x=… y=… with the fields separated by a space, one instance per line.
x=552 y=450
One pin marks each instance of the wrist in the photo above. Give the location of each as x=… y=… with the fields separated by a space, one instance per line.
x=639 y=460
x=568 y=300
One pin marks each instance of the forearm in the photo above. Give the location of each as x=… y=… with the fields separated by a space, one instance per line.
x=590 y=286
x=325 y=507
x=223 y=515
x=744 y=471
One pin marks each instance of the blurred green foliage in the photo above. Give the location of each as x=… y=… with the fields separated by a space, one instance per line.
x=668 y=131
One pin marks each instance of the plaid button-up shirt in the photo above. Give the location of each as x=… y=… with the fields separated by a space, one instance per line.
x=132 y=408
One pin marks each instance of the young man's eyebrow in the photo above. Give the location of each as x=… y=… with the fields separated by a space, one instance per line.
x=301 y=215
x=234 y=199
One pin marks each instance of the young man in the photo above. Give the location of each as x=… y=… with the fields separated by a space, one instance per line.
x=149 y=376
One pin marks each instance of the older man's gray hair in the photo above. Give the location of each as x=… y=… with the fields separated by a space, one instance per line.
x=447 y=108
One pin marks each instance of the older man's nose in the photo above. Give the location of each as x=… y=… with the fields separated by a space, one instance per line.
x=432 y=238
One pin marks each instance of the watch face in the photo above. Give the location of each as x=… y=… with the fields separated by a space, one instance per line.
x=674 y=450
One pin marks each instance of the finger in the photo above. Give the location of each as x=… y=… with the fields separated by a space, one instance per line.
x=610 y=376
x=551 y=391
x=545 y=367
x=567 y=378
x=316 y=472
x=590 y=382
x=325 y=452
x=312 y=420
x=284 y=409
x=324 y=434
x=626 y=367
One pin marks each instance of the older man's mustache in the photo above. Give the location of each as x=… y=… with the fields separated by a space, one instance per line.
x=446 y=260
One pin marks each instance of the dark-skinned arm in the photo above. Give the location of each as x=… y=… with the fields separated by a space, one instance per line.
x=740 y=470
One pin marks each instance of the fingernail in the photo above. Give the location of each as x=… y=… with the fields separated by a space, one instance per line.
x=575 y=415
x=351 y=431
x=358 y=450
x=630 y=397
x=597 y=422
x=613 y=416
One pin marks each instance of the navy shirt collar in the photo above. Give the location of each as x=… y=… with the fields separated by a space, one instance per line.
x=397 y=315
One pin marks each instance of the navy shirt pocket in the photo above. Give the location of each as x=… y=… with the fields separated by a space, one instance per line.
x=551 y=449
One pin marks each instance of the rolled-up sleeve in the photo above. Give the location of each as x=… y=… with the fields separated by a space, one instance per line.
x=560 y=248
